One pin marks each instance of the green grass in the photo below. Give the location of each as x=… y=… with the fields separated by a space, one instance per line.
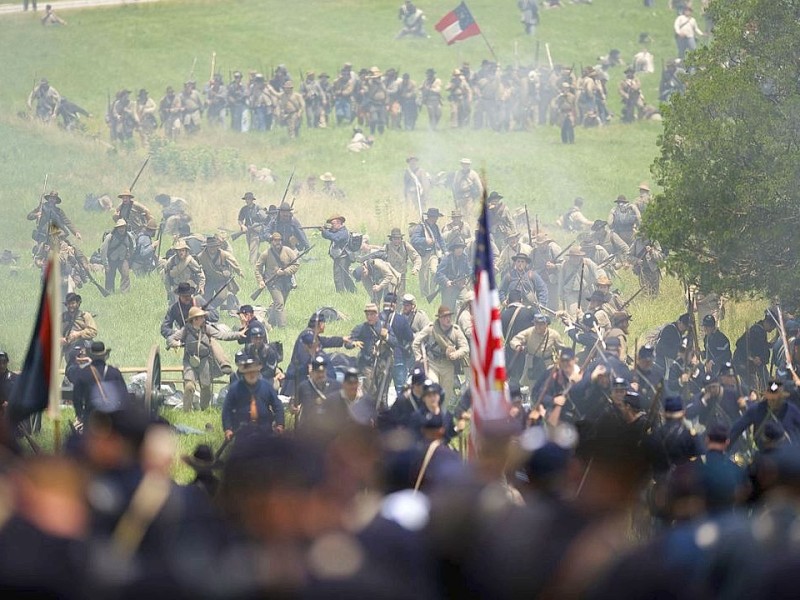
x=154 y=45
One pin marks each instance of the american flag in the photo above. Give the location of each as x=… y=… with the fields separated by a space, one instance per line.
x=490 y=401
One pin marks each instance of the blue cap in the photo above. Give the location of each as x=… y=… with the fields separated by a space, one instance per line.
x=319 y=363
x=673 y=404
x=307 y=337
x=417 y=376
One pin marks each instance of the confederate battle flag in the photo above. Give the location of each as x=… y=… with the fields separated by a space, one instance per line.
x=458 y=25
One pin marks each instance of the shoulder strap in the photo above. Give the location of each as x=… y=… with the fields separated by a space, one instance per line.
x=426 y=462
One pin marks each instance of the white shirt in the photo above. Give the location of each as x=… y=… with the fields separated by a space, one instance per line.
x=686 y=27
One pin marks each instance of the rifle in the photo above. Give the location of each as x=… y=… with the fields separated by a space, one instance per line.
x=260 y=290
x=564 y=251
x=654 y=414
x=84 y=272
x=194 y=64
x=580 y=286
x=286 y=191
x=213 y=65
x=787 y=355
x=435 y=293
x=217 y=293
x=528 y=223
x=144 y=164
x=690 y=308
x=41 y=202
x=536 y=220
x=631 y=299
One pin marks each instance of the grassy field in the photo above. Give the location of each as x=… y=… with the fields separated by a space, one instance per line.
x=155 y=45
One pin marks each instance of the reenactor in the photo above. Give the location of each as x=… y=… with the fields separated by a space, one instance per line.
x=291 y=107
x=329 y=187
x=289 y=227
x=467 y=188
x=525 y=280
x=48 y=214
x=515 y=317
x=181 y=267
x=624 y=219
x=408 y=402
x=670 y=339
x=314 y=98
x=460 y=97
x=648 y=375
x=98 y=386
x=416 y=184
x=601 y=312
x=646 y=257
x=47 y=100
x=539 y=343
x=336 y=232
x=566 y=113
x=251 y=402
x=170 y=108
x=398 y=254
x=269 y=355
x=116 y=253
x=237 y=100
x=717 y=346
x=376 y=97
x=310 y=405
x=575 y=276
x=501 y=222
x=427 y=241
x=454 y=275
x=192 y=104
x=123 y=116
x=456 y=228
x=608 y=239
x=203 y=358
x=413 y=19
x=136 y=215
x=145 y=110
x=76 y=325
x=443 y=350
x=219 y=266
x=630 y=90
x=327 y=94
x=378 y=278
x=377 y=348
x=216 y=100
x=343 y=88
x=752 y=353
x=275 y=269
x=178 y=312
x=68 y=260
x=620 y=322
x=252 y=222
x=431 y=95
x=393 y=108
x=407 y=96
x=598 y=255
x=514 y=246
x=644 y=198
x=416 y=317
x=673 y=443
x=145 y=254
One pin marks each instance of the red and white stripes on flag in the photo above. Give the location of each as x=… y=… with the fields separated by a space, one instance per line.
x=490 y=400
x=457 y=25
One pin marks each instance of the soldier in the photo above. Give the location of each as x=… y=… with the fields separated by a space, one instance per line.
x=343 y=88
x=646 y=257
x=500 y=217
x=431 y=95
x=413 y=20
x=398 y=254
x=539 y=343
x=669 y=340
x=443 y=350
x=526 y=281
x=47 y=99
x=644 y=198
x=686 y=32
x=277 y=265
x=467 y=188
x=237 y=100
x=8 y=380
x=203 y=358
x=314 y=412
x=216 y=100
x=145 y=254
x=647 y=375
x=251 y=402
x=123 y=116
x=329 y=187
x=427 y=241
x=252 y=221
x=566 y=111
x=48 y=214
x=460 y=97
x=378 y=278
x=598 y=255
x=402 y=355
x=50 y=17
x=178 y=312
x=620 y=322
x=219 y=266
x=313 y=98
x=407 y=96
x=752 y=352
x=76 y=325
x=624 y=219
x=291 y=107
x=192 y=104
x=630 y=90
x=456 y=228
x=454 y=275
x=336 y=232
x=376 y=97
x=575 y=269
x=717 y=346
x=416 y=317
x=170 y=109
x=513 y=248
x=115 y=253
x=269 y=355
x=574 y=219
x=529 y=16
x=183 y=268
x=377 y=349
x=290 y=228
x=416 y=184
x=609 y=240
x=145 y=111
x=136 y=215
x=99 y=386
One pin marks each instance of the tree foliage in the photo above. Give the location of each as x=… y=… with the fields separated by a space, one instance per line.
x=730 y=156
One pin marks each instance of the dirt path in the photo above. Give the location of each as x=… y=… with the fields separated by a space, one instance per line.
x=17 y=7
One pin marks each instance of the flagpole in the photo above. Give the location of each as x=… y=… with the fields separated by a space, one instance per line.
x=54 y=392
x=488 y=45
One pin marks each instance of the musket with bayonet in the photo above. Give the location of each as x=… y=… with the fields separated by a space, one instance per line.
x=83 y=271
x=564 y=251
x=41 y=205
x=631 y=299
x=218 y=292
x=139 y=174
x=528 y=223
x=260 y=290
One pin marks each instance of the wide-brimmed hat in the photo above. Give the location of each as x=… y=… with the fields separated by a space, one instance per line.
x=395 y=233
x=195 y=312
x=73 y=297
x=574 y=251
x=185 y=288
x=53 y=194
x=465 y=161
x=521 y=256
x=370 y=307
x=98 y=351
x=120 y=223
x=212 y=241
x=456 y=242
x=248 y=196
x=327 y=176
x=334 y=218
x=202 y=459
x=493 y=197
x=644 y=186
x=443 y=311
x=180 y=245
x=433 y=212
x=125 y=194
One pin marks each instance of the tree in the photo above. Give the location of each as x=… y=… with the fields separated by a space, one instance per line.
x=730 y=156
